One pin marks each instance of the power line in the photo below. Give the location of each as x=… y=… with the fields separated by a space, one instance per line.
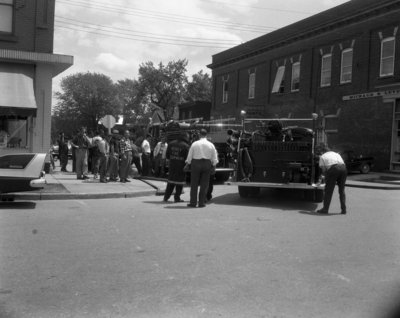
x=79 y=23
x=133 y=37
x=258 y=8
x=168 y=17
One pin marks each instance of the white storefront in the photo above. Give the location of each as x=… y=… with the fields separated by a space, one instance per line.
x=25 y=99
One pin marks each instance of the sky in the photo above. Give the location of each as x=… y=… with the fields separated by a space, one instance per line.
x=114 y=37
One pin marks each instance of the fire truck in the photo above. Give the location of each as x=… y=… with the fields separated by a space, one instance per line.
x=217 y=134
x=276 y=153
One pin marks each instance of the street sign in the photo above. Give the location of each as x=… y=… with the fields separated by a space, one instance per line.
x=108 y=121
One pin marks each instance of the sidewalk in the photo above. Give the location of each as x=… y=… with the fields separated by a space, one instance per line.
x=65 y=186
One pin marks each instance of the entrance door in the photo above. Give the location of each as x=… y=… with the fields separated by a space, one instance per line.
x=395 y=164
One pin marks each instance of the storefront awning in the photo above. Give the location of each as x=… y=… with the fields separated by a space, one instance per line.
x=16 y=90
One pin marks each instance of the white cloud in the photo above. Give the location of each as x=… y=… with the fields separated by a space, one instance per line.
x=110 y=62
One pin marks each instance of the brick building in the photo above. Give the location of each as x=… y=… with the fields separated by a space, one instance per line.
x=27 y=66
x=343 y=64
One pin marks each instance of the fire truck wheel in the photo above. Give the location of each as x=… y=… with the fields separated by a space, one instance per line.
x=319 y=195
x=222 y=176
x=244 y=192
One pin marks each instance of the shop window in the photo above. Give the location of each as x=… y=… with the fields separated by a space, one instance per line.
x=14 y=132
x=225 y=90
x=387 y=57
x=295 y=85
x=347 y=66
x=6 y=16
x=326 y=70
x=279 y=83
x=252 y=84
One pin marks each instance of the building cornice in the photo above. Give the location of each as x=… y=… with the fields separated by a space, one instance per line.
x=59 y=62
x=253 y=48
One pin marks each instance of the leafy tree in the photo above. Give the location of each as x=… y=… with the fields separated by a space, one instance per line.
x=165 y=85
x=84 y=100
x=135 y=106
x=199 y=89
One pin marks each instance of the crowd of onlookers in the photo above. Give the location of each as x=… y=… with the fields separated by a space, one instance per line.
x=111 y=157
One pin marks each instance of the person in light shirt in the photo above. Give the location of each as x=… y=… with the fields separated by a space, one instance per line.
x=202 y=158
x=335 y=172
x=146 y=156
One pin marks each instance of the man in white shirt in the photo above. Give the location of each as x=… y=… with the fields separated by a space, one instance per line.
x=202 y=158
x=335 y=172
x=146 y=152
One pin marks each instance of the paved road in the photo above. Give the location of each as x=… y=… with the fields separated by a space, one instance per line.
x=265 y=257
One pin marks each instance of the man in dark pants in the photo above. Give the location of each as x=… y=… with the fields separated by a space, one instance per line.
x=177 y=152
x=202 y=158
x=335 y=172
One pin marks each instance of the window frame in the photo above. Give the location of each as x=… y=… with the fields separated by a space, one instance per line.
x=393 y=56
x=325 y=71
x=342 y=67
x=252 y=85
x=292 y=82
x=10 y=5
x=277 y=89
x=225 y=88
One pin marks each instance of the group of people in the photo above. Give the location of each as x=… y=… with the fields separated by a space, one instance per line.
x=108 y=156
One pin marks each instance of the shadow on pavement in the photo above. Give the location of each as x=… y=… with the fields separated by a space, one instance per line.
x=269 y=199
x=20 y=205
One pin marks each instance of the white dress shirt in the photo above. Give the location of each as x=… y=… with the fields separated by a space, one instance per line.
x=203 y=149
x=330 y=158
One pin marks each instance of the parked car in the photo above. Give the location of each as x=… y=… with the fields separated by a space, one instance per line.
x=21 y=172
x=355 y=162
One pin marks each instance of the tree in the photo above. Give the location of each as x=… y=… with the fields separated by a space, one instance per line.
x=86 y=98
x=199 y=89
x=164 y=86
x=135 y=107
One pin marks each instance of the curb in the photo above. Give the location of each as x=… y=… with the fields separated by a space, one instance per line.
x=80 y=196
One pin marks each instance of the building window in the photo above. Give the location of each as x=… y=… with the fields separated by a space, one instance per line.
x=295 y=86
x=6 y=16
x=347 y=66
x=279 y=83
x=252 y=84
x=387 y=56
x=326 y=70
x=225 y=90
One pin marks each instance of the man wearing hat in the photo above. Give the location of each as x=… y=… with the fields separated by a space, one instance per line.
x=202 y=158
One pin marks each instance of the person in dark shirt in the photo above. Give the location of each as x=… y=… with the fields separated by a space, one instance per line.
x=63 y=152
x=177 y=152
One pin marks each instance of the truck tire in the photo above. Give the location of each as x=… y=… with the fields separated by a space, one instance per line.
x=316 y=195
x=222 y=176
x=365 y=168
x=319 y=195
x=244 y=192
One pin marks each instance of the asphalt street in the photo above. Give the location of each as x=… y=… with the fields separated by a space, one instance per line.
x=264 y=257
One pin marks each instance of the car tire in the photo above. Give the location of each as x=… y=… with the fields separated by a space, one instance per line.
x=365 y=168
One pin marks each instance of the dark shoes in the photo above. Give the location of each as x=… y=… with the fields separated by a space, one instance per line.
x=179 y=200
x=344 y=212
x=202 y=205
x=191 y=205
x=322 y=211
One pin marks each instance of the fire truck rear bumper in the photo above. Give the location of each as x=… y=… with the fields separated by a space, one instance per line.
x=279 y=185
